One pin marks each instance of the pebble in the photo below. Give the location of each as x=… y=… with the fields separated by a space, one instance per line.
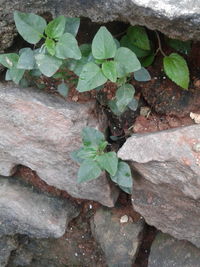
x=124 y=219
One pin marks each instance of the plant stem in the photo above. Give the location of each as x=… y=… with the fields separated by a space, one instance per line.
x=159 y=45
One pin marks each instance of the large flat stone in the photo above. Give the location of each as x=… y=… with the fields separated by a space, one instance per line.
x=118 y=235
x=40 y=131
x=167 y=251
x=166 y=189
x=178 y=19
x=26 y=211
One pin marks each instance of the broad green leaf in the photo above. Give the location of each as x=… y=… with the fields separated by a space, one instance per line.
x=176 y=69
x=103 y=44
x=133 y=105
x=29 y=26
x=51 y=46
x=99 y=61
x=109 y=69
x=67 y=47
x=125 y=42
x=35 y=72
x=85 y=49
x=147 y=61
x=63 y=89
x=8 y=77
x=109 y=162
x=124 y=95
x=16 y=74
x=47 y=64
x=72 y=25
x=92 y=137
x=26 y=60
x=127 y=61
x=142 y=75
x=114 y=108
x=87 y=152
x=138 y=36
x=102 y=145
x=90 y=77
x=55 y=28
x=74 y=156
x=123 y=175
x=9 y=60
x=117 y=43
x=127 y=190
x=88 y=170
x=180 y=46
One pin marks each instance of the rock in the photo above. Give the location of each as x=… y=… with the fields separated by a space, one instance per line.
x=167 y=252
x=178 y=19
x=166 y=191
x=119 y=241
x=7 y=245
x=40 y=131
x=24 y=210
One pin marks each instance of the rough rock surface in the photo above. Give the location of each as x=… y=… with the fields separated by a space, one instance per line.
x=166 y=187
x=40 y=131
x=7 y=245
x=118 y=238
x=178 y=19
x=167 y=252
x=25 y=211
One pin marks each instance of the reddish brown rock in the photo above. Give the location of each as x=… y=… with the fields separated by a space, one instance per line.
x=40 y=131
x=166 y=189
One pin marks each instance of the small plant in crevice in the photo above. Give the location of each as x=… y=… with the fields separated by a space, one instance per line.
x=57 y=43
x=93 y=159
x=175 y=66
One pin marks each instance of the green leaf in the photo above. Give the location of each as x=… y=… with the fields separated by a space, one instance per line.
x=176 y=69
x=47 y=64
x=138 y=36
x=55 y=28
x=63 y=89
x=51 y=46
x=29 y=26
x=109 y=69
x=133 y=105
x=114 y=108
x=90 y=77
x=24 y=83
x=9 y=60
x=127 y=190
x=147 y=61
x=180 y=46
x=74 y=156
x=88 y=170
x=124 y=95
x=127 y=61
x=109 y=162
x=92 y=137
x=72 y=25
x=103 y=44
x=125 y=42
x=16 y=74
x=123 y=175
x=8 y=77
x=35 y=72
x=26 y=59
x=85 y=49
x=87 y=152
x=67 y=47
x=142 y=75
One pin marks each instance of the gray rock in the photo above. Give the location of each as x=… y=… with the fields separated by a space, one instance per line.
x=7 y=245
x=40 y=131
x=118 y=239
x=25 y=211
x=166 y=187
x=178 y=19
x=169 y=252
